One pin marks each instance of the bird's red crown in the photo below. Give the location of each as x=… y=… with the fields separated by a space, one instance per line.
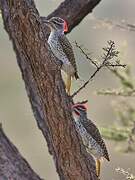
x=65 y=26
x=78 y=107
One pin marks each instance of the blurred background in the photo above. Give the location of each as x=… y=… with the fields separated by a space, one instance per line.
x=93 y=32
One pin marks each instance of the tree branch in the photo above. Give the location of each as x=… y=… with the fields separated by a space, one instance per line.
x=127 y=174
x=122 y=93
x=73 y=11
x=109 y=54
x=108 y=22
x=12 y=164
x=45 y=88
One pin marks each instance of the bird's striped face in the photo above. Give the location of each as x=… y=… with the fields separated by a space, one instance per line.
x=78 y=109
x=57 y=23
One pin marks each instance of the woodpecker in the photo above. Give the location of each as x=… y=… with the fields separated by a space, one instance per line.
x=62 y=48
x=90 y=135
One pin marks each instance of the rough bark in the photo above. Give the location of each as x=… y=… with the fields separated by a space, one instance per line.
x=45 y=87
x=12 y=164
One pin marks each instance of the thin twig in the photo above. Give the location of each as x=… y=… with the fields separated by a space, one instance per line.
x=109 y=54
x=86 y=55
x=127 y=175
x=121 y=25
x=115 y=65
x=84 y=85
x=130 y=93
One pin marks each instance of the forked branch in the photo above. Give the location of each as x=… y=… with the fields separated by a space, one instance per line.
x=108 y=60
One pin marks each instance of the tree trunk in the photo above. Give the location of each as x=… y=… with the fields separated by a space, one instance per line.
x=45 y=88
x=12 y=165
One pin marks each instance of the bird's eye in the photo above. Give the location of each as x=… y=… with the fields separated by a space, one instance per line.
x=54 y=22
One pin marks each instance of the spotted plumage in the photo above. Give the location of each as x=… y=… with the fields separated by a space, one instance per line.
x=89 y=133
x=61 y=47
